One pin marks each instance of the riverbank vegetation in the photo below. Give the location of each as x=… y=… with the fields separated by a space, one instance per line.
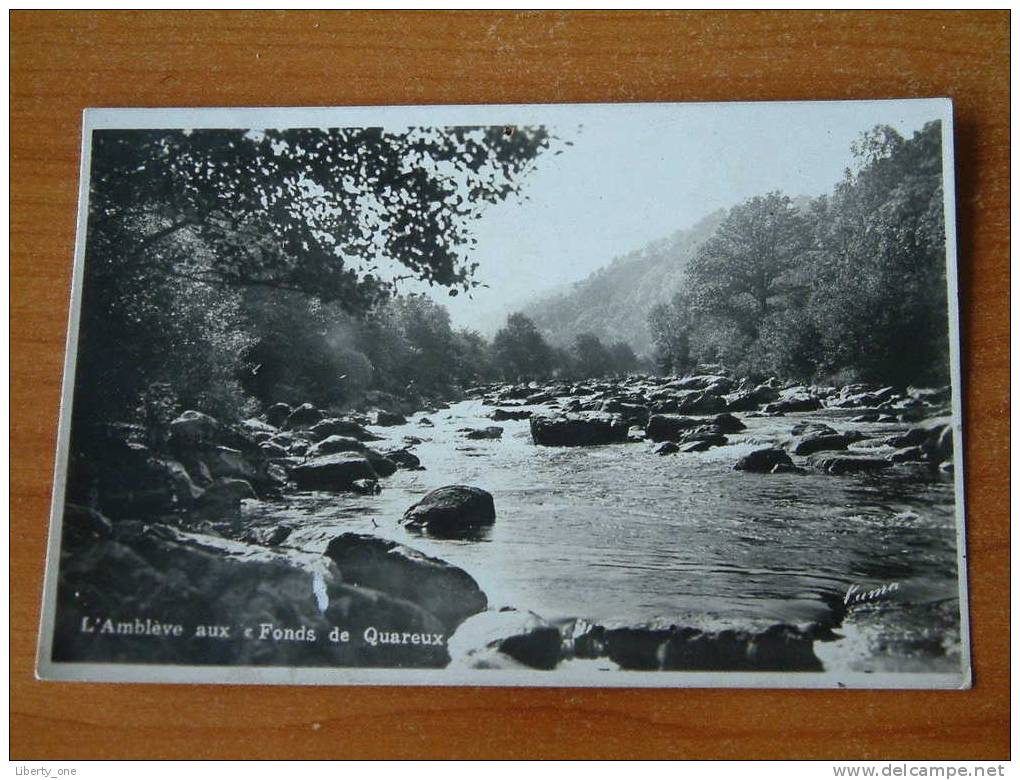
x=228 y=271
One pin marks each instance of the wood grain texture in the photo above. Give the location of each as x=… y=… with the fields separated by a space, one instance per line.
x=62 y=62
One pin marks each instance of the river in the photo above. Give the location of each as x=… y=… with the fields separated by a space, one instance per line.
x=617 y=533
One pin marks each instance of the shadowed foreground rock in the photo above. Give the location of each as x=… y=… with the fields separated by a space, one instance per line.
x=778 y=648
x=452 y=511
x=506 y=639
x=449 y=593
x=157 y=586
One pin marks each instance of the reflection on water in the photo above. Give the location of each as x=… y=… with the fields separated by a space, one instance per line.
x=619 y=533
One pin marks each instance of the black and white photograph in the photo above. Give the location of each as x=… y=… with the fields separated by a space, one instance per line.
x=657 y=395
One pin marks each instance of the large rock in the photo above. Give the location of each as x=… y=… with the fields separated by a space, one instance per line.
x=224 y=495
x=717 y=384
x=750 y=400
x=229 y=462
x=158 y=585
x=277 y=414
x=305 y=416
x=763 y=461
x=819 y=442
x=386 y=418
x=405 y=459
x=670 y=427
x=452 y=511
x=935 y=437
x=444 y=590
x=195 y=428
x=490 y=432
x=257 y=428
x=84 y=525
x=701 y=403
x=578 y=430
x=335 y=426
x=847 y=463
x=333 y=472
x=499 y=415
x=633 y=413
x=799 y=400
x=727 y=423
x=680 y=648
x=522 y=636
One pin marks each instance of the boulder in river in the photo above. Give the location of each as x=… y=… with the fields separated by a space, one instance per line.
x=633 y=413
x=727 y=423
x=750 y=400
x=667 y=448
x=578 y=430
x=269 y=536
x=452 y=511
x=224 y=495
x=717 y=383
x=847 y=463
x=338 y=426
x=499 y=415
x=405 y=459
x=908 y=455
x=332 y=472
x=812 y=427
x=228 y=462
x=800 y=401
x=331 y=445
x=762 y=461
x=386 y=418
x=522 y=636
x=444 y=590
x=670 y=427
x=819 y=442
x=490 y=432
x=701 y=403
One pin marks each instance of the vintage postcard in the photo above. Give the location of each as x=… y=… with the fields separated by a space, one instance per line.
x=570 y=395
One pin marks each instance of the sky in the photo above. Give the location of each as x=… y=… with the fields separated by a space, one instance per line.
x=635 y=176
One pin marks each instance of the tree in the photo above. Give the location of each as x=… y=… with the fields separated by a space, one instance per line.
x=590 y=356
x=520 y=351
x=878 y=300
x=180 y=222
x=670 y=325
x=851 y=286
x=622 y=357
x=746 y=269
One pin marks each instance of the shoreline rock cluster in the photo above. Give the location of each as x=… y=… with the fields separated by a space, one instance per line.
x=695 y=413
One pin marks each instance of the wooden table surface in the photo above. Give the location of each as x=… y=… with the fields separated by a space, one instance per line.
x=62 y=62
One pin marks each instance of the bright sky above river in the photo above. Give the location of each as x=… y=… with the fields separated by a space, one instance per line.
x=631 y=178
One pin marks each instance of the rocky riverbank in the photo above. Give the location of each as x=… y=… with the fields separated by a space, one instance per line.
x=159 y=533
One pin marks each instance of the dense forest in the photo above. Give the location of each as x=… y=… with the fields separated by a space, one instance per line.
x=227 y=270
x=851 y=286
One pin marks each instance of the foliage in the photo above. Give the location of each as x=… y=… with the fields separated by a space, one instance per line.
x=853 y=284
x=520 y=352
x=185 y=227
